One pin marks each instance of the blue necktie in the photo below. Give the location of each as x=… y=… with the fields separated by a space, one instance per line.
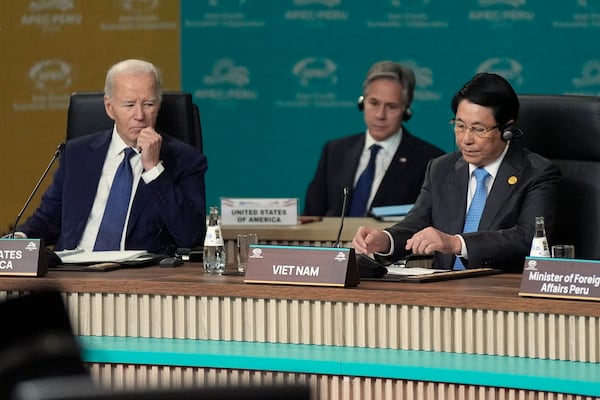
x=475 y=209
x=115 y=212
x=362 y=190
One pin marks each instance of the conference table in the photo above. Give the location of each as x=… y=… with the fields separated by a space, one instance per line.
x=481 y=316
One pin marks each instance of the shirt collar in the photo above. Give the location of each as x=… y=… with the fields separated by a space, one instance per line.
x=117 y=145
x=387 y=144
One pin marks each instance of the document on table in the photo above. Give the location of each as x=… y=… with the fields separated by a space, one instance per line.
x=402 y=270
x=80 y=256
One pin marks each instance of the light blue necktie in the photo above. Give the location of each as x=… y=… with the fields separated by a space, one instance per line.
x=362 y=190
x=115 y=212
x=475 y=209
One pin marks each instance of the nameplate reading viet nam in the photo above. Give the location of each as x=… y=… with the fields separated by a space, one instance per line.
x=259 y=211
x=561 y=277
x=21 y=257
x=297 y=265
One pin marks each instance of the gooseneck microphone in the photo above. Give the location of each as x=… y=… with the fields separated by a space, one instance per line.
x=344 y=204
x=57 y=153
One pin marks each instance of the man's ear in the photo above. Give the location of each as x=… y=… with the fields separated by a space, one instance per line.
x=108 y=107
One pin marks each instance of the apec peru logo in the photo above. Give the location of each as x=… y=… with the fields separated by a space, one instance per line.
x=317 y=80
x=226 y=71
x=509 y=68
x=590 y=74
x=502 y=10
x=424 y=90
x=316 y=72
x=587 y=83
x=51 y=15
x=226 y=81
x=51 y=75
x=313 y=11
x=50 y=80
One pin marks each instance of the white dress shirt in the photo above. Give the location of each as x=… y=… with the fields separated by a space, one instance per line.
x=382 y=162
x=114 y=156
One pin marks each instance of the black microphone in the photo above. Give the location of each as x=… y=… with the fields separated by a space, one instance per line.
x=344 y=203
x=59 y=150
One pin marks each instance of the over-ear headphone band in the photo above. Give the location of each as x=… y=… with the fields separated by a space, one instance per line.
x=361 y=106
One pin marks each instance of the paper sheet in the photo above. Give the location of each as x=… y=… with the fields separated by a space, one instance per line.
x=79 y=256
x=401 y=270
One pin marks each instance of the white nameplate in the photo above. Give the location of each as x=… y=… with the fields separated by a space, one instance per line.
x=302 y=265
x=22 y=257
x=259 y=211
x=561 y=277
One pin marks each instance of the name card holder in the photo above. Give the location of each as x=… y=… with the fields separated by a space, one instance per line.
x=561 y=278
x=300 y=265
x=266 y=211
x=22 y=257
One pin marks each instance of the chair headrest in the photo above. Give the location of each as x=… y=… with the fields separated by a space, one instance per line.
x=561 y=126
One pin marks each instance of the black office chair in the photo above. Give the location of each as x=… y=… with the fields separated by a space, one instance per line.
x=566 y=129
x=178 y=116
x=37 y=342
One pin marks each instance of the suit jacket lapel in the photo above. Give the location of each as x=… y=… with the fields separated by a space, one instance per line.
x=395 y=171
x=89 y=169
x=140 y=201
x=349 y=164
x=509 y=174
x=457 y=193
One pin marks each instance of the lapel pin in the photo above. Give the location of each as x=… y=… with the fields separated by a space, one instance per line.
x=512 y=180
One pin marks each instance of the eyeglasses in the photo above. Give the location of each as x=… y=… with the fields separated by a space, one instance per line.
x=461 y=127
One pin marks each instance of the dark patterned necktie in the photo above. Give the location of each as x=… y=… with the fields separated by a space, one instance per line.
x=115 y=212
x=362 y=190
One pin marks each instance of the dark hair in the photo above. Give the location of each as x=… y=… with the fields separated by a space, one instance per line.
x=493 y=91
x=395 y=72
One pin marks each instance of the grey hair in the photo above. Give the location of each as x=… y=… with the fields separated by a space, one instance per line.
x=133 y=67
x=395 y=72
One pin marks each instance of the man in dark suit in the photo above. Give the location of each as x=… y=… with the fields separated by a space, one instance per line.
x=399 y=164
x=166 y=206
x=518 y=186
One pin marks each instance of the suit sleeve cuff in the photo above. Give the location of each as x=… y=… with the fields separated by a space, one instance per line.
x=463 y=248
x=152 y=174
x=389 y=253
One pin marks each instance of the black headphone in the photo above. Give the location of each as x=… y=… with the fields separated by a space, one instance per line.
x=510 y=131
x=361 y=106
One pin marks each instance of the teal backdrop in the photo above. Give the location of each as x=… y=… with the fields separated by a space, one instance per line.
x=275 y=79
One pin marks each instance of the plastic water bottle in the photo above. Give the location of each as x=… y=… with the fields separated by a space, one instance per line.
x=214 y=246
x=539 y=245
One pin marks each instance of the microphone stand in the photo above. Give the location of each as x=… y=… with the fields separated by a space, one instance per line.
x=59 y=150
x=339 y=236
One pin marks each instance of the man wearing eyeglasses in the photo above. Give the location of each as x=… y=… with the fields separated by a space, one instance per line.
x=384 y=165
x=490 y=173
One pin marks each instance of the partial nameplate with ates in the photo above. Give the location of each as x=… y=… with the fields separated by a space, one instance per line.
x=561 y=278
x=260 y=211
x=300 y=265
x=22 y=257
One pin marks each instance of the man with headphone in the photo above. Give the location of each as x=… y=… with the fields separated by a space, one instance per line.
x=390 y=160
x=491 y=176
